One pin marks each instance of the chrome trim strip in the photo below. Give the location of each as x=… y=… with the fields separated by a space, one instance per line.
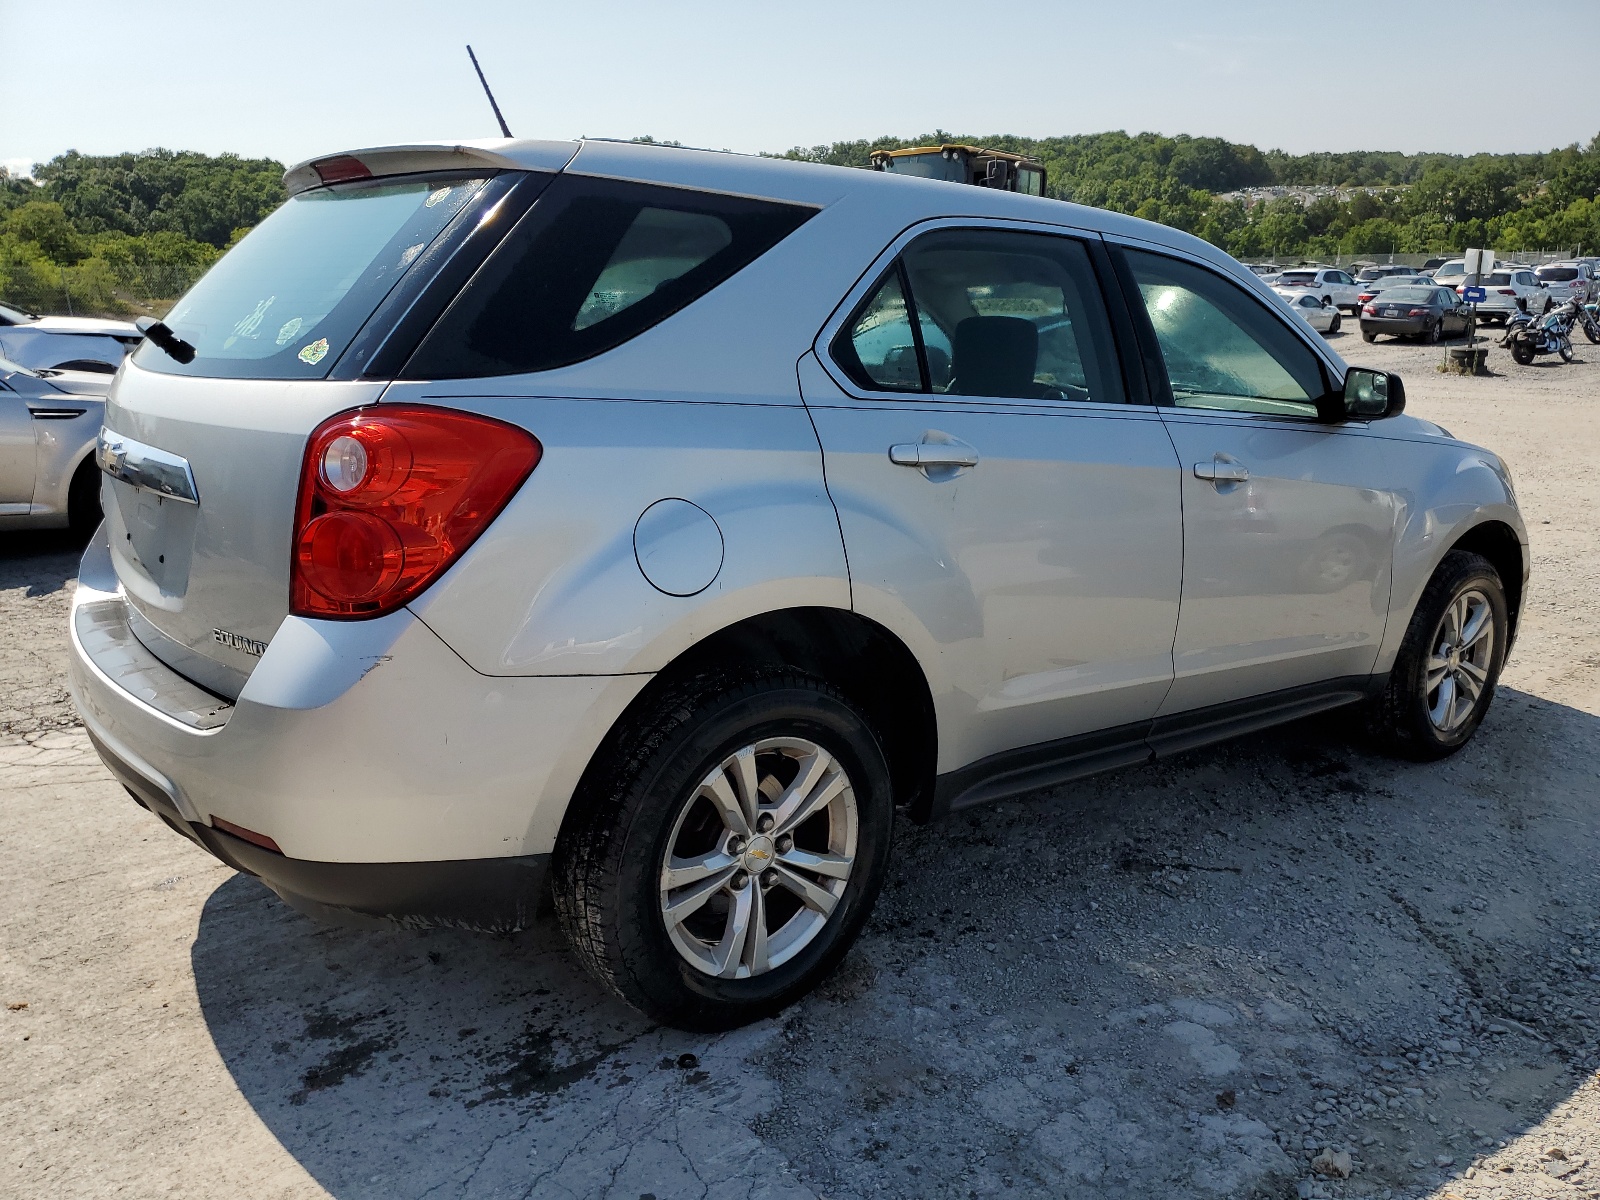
x=145 y=467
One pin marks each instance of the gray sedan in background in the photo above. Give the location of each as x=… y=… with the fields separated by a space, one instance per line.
x=48 y=423
x=1429 y=313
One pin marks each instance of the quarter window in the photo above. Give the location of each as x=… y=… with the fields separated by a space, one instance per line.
x=592 y=264
x=1223 y=349
x=990 y=313
x=881 y=350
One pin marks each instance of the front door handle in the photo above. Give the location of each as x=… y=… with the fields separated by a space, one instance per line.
x=1221 y=472
x=932 y=454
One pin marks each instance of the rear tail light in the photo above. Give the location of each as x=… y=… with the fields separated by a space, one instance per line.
x=390 y=496
x=1420 y=312
x=1370 y=309
x=341 y=168
x=1504 y=292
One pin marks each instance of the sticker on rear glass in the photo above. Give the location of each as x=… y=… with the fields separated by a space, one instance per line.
x=315 y=352
x=287 y=331
x=437 y=196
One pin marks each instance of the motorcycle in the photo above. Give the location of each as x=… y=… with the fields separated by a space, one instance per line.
x=1527 y=338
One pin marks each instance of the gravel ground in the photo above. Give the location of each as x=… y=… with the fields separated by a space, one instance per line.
x=1286 y=967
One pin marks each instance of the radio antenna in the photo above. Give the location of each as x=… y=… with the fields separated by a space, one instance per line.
x=503 y=128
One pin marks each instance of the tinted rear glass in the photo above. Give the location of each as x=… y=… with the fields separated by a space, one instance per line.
x=1558 y=274
x=1408 y=294
x=1298 y=277
x=594 y=263
x=286 y=301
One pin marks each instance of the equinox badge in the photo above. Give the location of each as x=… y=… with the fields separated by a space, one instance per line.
x=238 y=641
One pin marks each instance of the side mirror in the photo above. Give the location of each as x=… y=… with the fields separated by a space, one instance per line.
x=1370 y=395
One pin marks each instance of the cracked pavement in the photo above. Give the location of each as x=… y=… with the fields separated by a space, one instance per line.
x=1183 y=980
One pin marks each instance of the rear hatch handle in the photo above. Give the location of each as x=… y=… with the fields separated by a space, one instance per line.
x=147 y=468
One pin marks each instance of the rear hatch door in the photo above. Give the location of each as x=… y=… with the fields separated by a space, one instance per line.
x=273 y=326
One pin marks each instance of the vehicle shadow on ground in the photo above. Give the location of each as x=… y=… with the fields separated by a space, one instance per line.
x=1178 y=980
x=43 y=560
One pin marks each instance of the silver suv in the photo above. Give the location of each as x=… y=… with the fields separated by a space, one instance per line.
x=648 y=525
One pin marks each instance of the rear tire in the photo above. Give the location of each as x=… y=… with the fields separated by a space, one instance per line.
x=1435 y=333
x=83 y=500
x=674 y=787
x=1368 y=337
x=1455 y=643
x=1522 y=353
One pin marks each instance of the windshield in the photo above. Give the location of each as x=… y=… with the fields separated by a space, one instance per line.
x=1558 y=274
x=15 y=316
x=286 y=301
x=932 y=165
x=1455 y=267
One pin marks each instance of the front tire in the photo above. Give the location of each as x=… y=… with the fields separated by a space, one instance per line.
x=1334 y=326
x=724 y=859
x=83 y=500
x=1522 y=353
x=1444 y=677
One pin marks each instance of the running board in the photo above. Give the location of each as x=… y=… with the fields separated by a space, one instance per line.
x=1050 y=764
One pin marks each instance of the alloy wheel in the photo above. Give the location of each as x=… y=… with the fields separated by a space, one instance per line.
x=759 y=858
x=1457 y=670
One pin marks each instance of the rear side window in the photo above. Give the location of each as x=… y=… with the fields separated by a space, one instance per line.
x=288 y=299
x=991 y=313
x=594 y=263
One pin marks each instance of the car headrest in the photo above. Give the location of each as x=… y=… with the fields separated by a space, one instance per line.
x=995 y=356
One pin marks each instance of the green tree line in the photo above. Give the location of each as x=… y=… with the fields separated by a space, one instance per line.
x=109 y=233
x=99 y=234
x=1424 y=203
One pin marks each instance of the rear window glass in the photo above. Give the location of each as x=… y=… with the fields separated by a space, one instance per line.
x=1394 y=295
x=1298 y=277
x=1558 y=274
x=1497 y=279
x=594 y=263
x=286 y=301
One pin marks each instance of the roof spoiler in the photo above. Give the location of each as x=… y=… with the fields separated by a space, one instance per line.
x=495 y=154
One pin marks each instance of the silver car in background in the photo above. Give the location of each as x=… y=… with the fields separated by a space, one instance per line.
x=647 y=525
x=88 y=344
x=48 y=423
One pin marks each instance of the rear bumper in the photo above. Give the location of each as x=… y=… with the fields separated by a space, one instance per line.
x=496 y=895
x=1397 y=326
x=397 y=780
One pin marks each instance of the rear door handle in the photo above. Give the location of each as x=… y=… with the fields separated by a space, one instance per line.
x=932 y=454
x=1221 y=472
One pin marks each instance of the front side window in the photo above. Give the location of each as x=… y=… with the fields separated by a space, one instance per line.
x=1222 y=348
x=288 y=299
x=991 y=313
x=592 y=264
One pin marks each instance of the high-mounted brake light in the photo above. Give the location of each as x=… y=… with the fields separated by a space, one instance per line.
x=390 y=496
x=341 y=168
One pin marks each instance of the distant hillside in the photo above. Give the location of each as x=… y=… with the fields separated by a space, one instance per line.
x=113 y=233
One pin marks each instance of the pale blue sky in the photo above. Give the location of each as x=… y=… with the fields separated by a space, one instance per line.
x=291 y=78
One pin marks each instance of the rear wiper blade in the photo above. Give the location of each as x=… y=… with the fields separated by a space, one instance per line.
x=158 y=332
